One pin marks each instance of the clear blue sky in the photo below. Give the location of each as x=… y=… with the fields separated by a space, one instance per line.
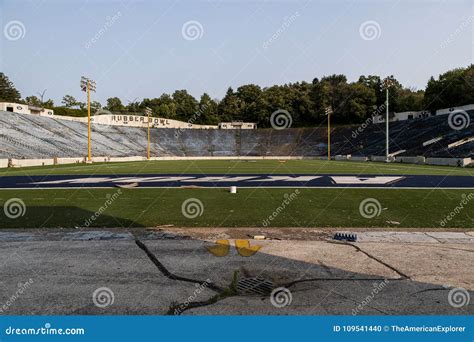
x=142 y=51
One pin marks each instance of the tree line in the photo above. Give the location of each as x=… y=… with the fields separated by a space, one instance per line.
x=307 y=103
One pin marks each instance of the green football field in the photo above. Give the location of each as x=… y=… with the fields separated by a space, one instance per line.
x=243 y=166
x=256 y=207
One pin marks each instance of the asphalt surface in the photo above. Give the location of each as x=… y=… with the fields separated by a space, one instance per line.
x=239 y=180
x=159 y=271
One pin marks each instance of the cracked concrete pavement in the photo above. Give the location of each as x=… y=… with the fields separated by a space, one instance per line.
x=150 y=270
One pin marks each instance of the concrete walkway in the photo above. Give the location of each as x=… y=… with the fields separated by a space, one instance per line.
x=176 y=271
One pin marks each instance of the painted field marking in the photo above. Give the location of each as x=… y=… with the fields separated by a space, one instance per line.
x=243 y=247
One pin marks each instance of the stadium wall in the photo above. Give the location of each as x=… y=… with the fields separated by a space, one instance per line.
x=449 y=161
x=4 y=163
x=142 y=121
x=31 y=162
x=60 y=161
x=411 y=160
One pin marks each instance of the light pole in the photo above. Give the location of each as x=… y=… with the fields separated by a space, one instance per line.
x=329 y=111
x=41 y=95
x=148 y=113
x=387 y=83
x=88 y=85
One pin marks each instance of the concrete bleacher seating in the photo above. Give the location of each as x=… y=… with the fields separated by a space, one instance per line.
x=29 y=136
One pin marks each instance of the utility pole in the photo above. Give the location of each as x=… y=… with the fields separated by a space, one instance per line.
x=41 y=95
x=387 y=83
x=387 y=147
x=88 y=85
x=328 y=113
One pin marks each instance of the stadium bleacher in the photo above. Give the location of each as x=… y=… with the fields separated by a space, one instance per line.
x=29 y=136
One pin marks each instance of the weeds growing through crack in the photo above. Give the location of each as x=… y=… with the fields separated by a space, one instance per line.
x=178 y=308
x=227 y=292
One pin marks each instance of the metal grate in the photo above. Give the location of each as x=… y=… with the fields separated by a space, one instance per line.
x=254 y=286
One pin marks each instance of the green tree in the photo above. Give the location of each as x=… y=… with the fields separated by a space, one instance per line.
x=451 y=89
x=248 y=97
x=134 y=107
x=301 y=103
x=163 y=106
x=114 y=104
x=207 y=111
x=95 y=106
x=8 y=92
x=320 y=100
x=229 y=107
x=33 y=101
x=394 y=92
x=374 y=82
x=360 y=103
x=336 y=94
x=48 y=104
x=64 y=111
x=306 y=102
x=186 y=105
x=167 y=107
x=69 y=101
x=410 y=100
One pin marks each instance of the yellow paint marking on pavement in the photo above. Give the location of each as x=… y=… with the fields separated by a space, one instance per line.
x=220 y=249
x=244 y=249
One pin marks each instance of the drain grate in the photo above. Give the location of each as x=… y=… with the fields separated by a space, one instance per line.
x=254 y=286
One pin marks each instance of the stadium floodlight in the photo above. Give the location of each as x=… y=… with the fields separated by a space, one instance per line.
x=88 y=85
x=387 y=83
x=329 y=111
x=83 y=83
x=148 y=113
